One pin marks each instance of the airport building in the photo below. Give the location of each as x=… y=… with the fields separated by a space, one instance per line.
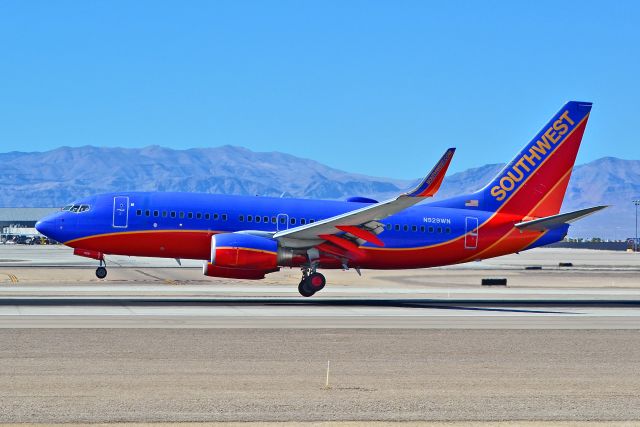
x=23 y=217
x=20 y=222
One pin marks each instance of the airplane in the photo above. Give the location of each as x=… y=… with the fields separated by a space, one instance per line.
x=248 y=237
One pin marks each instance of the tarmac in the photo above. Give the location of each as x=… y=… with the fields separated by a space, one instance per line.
x=158 y=342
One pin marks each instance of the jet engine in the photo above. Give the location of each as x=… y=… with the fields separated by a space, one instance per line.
x=245 y=256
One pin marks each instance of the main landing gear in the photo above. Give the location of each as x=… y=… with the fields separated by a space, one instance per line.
x=311 y=282
x=101 y=272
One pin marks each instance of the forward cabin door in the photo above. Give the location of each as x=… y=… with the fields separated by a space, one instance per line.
x=120 y=212
x=471 y=233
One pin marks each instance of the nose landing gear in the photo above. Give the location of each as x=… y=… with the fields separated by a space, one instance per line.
x=101 y=272
x=311 y=282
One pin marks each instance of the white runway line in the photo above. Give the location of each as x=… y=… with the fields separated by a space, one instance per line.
x=465 y=310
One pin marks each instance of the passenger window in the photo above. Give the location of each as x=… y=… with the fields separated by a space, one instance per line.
x=292 y=221
x=273 y=220
x=439 y=229
x=430 y=229
x=198 y=215
x=173 y=214
x=389 y=226
x=190 y=215
x=312 y=221
x=447 y=230
x=241 y=218
x=249 y=218
x=147 y=212
x=207 y=216
x=405 y=228
x=414 y=228
x=156 y=213
x=303 y=221
x=164 y=214
x=257 y=218
x=265 y=219
x=397 y=227
x=224 y=217
x=422 y=229
x=139 y=212
x=216 y=216
x=181 y=214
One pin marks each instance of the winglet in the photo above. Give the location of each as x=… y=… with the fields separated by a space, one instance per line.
x=431 y=183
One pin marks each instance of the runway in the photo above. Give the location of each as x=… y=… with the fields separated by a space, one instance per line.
x=162 y=312
x=600 y=291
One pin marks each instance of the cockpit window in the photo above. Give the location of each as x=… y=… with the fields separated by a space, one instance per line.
x=77 y=208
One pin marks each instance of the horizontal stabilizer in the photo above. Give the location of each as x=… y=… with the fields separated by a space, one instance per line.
x=549 y=222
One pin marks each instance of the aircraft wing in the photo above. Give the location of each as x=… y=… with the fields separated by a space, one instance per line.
x=549 y=222
x=361 y=225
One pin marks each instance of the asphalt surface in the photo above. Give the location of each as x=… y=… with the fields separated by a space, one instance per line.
x=263 y=312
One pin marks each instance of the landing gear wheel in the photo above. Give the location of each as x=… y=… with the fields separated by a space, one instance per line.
x=305 y=289
x=311 y=284
x=316 y=281
x=101 y=272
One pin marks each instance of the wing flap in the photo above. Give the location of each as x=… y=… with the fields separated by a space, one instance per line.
x=345 y=244
x=361 y=233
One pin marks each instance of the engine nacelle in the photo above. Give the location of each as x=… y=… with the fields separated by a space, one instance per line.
x=236 y=250
x=243 y=256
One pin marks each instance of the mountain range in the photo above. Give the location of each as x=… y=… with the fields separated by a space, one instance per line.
x=55 y=177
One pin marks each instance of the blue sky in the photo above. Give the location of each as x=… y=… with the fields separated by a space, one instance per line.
x=381 y=88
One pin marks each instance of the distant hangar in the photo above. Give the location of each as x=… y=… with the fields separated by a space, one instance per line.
x=23 y=217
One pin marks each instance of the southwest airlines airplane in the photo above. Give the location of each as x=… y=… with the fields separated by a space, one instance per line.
x=248 y=237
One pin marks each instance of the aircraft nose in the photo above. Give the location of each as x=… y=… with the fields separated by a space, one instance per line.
x=45 y=226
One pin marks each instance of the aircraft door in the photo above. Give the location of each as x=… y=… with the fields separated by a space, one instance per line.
x=282 y=222
x=120 y=212
x=471 y=233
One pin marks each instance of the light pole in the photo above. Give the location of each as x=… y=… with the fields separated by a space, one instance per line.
x=635 y=241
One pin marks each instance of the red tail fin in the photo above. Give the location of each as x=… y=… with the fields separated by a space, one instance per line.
x=535 y=181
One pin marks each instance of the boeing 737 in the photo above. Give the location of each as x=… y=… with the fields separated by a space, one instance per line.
x=248 y=237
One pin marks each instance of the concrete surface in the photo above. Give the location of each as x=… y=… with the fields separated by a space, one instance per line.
x=349 y=424
x=156 y=342
x=88 y=375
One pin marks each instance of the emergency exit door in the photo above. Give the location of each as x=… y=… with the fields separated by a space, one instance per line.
x=471 y=233
x=282 y=221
